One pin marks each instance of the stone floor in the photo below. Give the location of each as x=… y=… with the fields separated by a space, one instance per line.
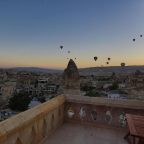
x=82 y=134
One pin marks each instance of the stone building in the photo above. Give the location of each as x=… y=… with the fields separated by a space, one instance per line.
x=71 y=79
x=8 y=89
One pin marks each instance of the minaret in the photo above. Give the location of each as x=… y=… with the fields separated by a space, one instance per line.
x=71 y=79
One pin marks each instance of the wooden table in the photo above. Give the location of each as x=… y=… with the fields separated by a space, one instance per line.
x=136 y=127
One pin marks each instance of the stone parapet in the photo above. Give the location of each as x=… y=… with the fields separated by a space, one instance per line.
x=121 y=103
x=32 y=126
x=100 y=111
x=35 y=125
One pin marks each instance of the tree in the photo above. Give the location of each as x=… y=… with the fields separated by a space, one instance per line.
x=42 y=99
x=92 y=93
x=19 y=101
x=87 y=88
x=114 y=86
x=113 y=75
x=138 y=72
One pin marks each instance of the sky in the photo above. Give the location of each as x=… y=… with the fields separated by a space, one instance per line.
x=31 y=32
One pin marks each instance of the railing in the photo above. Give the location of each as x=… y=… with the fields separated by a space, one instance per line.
x=34 y=125
x=100 y=111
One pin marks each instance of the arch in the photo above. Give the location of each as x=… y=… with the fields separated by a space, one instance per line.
x=33 y=135
x=44 y=128
x=122 y=119
x=82 y=112
x=108 y=117
x=18 y=141
x=52 y=121
x=94 y=115
x=59 y=112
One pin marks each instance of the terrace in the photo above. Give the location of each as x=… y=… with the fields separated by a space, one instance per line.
x=71 y=119
x=70 y=133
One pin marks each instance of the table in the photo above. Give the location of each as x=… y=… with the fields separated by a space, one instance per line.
x=136 y=127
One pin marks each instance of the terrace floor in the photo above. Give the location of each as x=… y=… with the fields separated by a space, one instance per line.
x=83 y=134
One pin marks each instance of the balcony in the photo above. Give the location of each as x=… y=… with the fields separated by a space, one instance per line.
x=70 y=133
x=71 y=120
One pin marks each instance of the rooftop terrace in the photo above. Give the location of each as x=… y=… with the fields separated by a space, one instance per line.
x=83 y=134
x=71 y=120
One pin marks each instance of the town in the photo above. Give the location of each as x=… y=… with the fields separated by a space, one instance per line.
x=22 y=90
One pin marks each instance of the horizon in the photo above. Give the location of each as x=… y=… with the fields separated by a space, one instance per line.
x=65 y=67
x=31 y=33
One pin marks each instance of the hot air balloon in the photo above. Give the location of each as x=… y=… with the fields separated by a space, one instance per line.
x=95 y=58
x=61 y=47
x=122 y=64
x=109 y=59
x=107 y=62
x=141 y=35
x=75 y=58
x=134 y=40
x=68 y=51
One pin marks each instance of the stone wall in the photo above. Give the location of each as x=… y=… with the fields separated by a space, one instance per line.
x=101 y=111
x=34 y=125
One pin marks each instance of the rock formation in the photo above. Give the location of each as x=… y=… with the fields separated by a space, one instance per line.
x=71 y=79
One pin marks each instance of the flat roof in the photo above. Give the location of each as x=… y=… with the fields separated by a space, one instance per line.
x=70 y=133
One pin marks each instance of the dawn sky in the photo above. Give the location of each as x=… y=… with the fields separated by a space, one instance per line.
x=31 y=32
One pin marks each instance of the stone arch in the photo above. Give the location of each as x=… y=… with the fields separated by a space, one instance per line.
x=44 y=128
x=18 y=141
x=33 y=135
x=59 y=112
x=108 y=117
x=52 y=121
x=94 y=115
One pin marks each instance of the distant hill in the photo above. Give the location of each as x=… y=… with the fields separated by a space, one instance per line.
x=82 y=71
x=115 y=69
x=36 y=69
